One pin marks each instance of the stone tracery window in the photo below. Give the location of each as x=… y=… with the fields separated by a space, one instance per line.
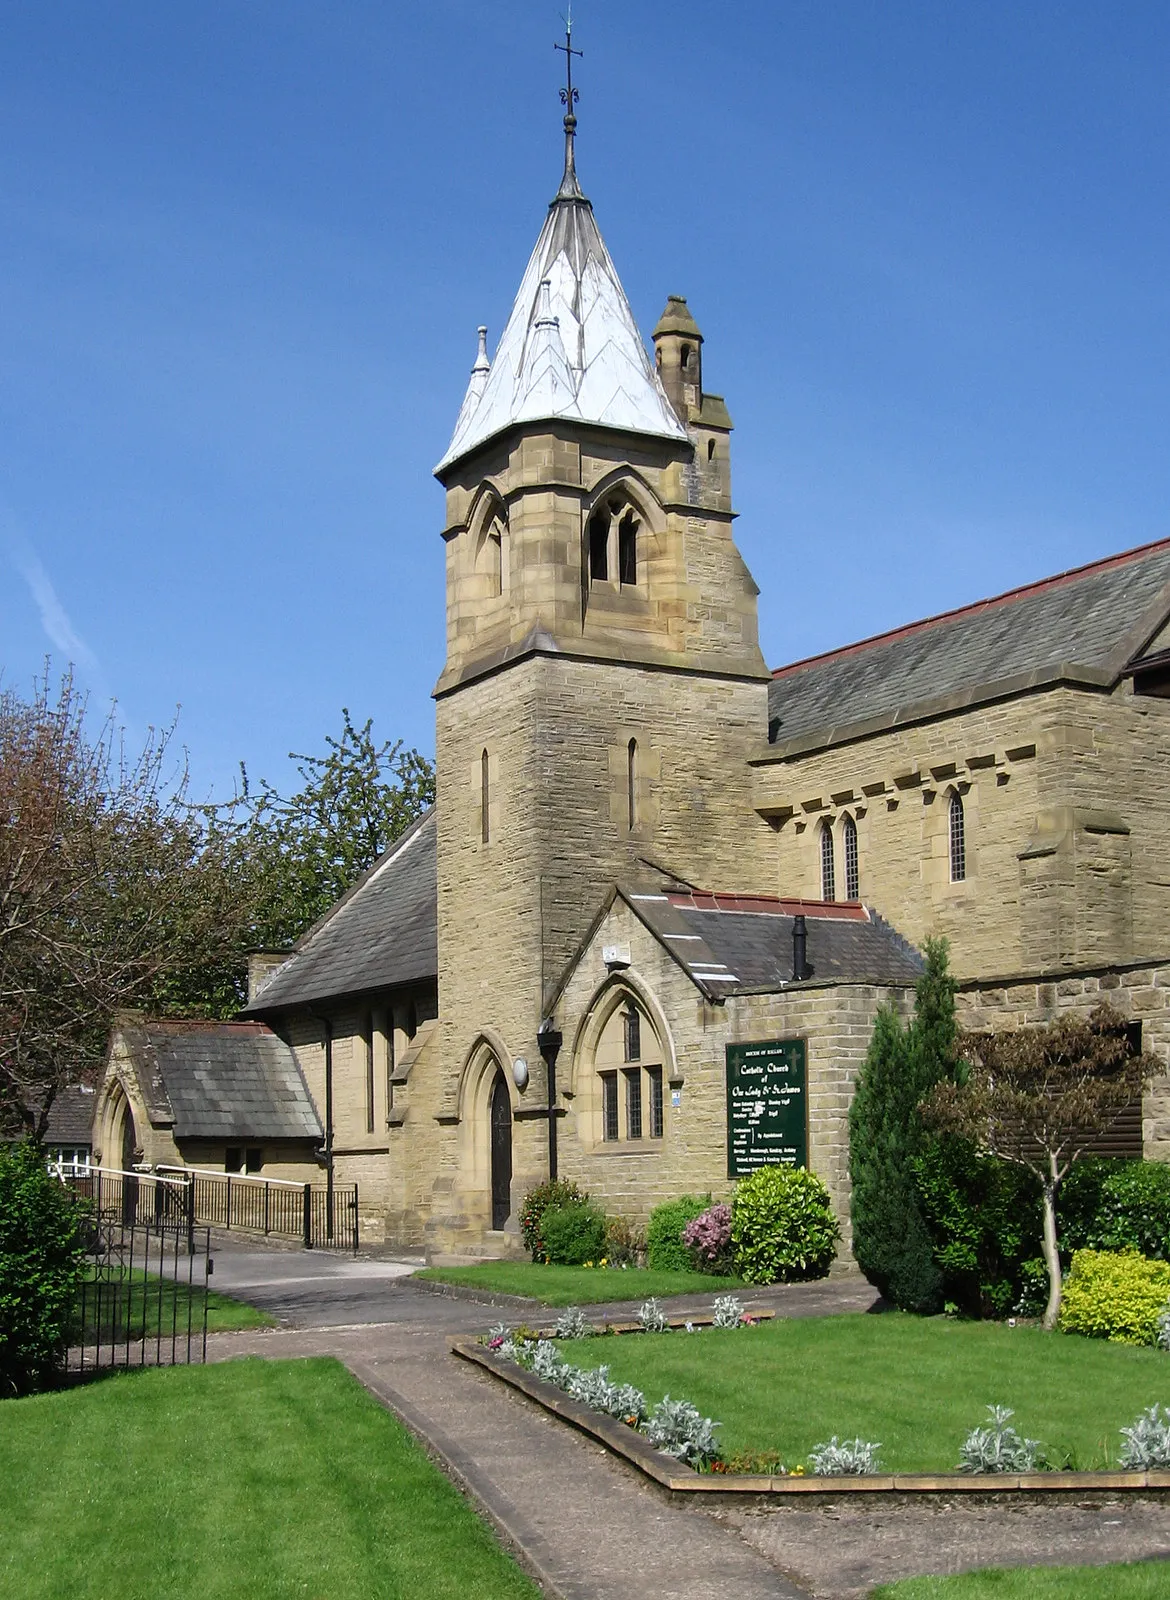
x=628 y=1061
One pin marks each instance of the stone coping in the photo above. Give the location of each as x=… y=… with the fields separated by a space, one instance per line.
x=682 y=1481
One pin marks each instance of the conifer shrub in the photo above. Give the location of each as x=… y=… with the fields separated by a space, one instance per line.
x=42 y=1257
x=1118 y=1296
x=782 y=1226
x=557 y=1192
x=665 y=1249
x=573 y=1234
x=891 y=1239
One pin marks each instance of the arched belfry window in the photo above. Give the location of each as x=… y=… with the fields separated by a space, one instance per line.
x=612 y=542
x=958 y=838
x=492 y=552
x=828 y=865
x=632 y=783
x=849 y=850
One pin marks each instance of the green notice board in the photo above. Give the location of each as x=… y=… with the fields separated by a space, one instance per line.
x=767 y=1105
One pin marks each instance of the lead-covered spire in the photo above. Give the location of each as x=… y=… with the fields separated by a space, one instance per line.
x=571 y=348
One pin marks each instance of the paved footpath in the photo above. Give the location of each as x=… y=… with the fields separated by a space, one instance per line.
x=587 y=1526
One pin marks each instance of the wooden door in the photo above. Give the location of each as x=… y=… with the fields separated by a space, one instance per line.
x=501 y=1136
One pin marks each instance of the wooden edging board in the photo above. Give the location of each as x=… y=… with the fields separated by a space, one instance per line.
x=678 y=1479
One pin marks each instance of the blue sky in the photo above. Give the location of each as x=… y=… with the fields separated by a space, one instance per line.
x=245 y=247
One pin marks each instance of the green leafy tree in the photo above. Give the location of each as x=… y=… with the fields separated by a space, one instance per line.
x=42 y=1255
x=891 y=1239
x=1037 y=1097
x=300 y=853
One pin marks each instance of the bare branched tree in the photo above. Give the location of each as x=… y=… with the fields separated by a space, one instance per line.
x=1038 y=1097
x=109 y=881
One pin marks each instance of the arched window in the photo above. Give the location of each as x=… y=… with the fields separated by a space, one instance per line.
x=849 y=848
x=958 y=838
x=629 y=1064
x=484 y=799
x=628 y=549
x=632 y=783
x=491 y=556
x=710 y=449
x=599 y=545
x=685 y=358
x=828 y=866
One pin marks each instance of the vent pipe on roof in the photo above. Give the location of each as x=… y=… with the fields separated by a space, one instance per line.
x=800 y=966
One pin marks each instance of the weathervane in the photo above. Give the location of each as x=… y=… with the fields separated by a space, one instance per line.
x=570 y=189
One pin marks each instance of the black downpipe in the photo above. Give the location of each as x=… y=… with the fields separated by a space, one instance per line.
x=327 y=1024
x=548 y=1039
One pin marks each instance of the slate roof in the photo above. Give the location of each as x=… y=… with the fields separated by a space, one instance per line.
x=1079 y=626
x=571 y=347
x=381 y=934
x=223 y=1080
x=737 y=944
x=71 y=1116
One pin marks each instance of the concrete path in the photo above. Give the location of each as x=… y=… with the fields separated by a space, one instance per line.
x=587 y=1526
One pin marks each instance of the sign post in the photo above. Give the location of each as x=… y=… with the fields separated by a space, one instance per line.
x=767 y=1105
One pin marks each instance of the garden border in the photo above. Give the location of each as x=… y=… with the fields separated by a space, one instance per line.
x=685 y=1483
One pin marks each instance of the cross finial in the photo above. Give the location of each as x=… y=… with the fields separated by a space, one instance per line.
x=569 y=189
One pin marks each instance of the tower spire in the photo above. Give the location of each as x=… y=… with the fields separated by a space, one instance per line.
x=570 y=189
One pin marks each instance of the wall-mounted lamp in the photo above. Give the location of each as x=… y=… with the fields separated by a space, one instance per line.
x=520 y=1073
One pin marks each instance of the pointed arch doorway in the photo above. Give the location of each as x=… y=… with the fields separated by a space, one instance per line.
x=500 y=1123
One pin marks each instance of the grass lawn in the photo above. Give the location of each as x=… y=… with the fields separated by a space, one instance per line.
x=267 y=1479
x=579 y=1286
x=917 y=1385
x=1134 y=1580
x=135 y=1303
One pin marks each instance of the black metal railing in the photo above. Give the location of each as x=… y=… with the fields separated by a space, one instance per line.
x=180 y=1199
x=143 y=1299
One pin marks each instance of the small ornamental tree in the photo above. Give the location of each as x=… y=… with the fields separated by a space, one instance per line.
x=1037 y=1097
x=891 y=1240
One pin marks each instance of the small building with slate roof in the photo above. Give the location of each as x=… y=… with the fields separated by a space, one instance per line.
x=225 y=1096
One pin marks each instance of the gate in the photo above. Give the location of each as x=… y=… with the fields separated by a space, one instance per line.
x=143 y=1300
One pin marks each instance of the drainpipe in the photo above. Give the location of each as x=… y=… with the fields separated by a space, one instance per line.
x=327 y=1025
x=548 y=1039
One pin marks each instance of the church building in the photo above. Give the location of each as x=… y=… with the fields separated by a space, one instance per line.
x=641 y=938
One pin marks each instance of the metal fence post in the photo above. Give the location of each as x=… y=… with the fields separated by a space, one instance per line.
x=308 y=1217
x=267 y=1191
x=189 y=1210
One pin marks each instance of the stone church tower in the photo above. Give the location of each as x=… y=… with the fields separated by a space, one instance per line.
x=603 y=685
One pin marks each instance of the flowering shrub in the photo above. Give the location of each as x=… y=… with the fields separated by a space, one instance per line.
x=728 y=1311
x=1147 y=1443
x=558 y=1192
x=677 y=1429
x=844 y=1458
x=782 y=1226
x=572 y=1324
x=708 y=1238
x=652 y=1317
x=1114 y=1296
x=998 y=1447
x=1162 y=1329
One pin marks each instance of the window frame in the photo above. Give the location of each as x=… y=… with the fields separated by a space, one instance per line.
x=957 y=837
x=828 y=864
x=852 y=859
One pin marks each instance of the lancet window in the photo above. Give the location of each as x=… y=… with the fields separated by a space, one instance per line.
x=629 y=1066
x=612 y=538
